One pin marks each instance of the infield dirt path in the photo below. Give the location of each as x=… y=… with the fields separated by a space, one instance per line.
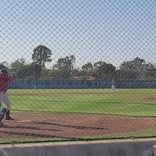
x=71 y=125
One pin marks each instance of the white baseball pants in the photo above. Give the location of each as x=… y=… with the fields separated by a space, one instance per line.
x=4 y=98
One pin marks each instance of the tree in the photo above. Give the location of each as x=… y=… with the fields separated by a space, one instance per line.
x=17 y=67
x=47 y=74
x=135 y=65
x=17 y=64
x=4 y=65
x=41 y=55
x=22 y=70
x=104 y=70
x=87 y=71
x=87 y=67
x=135 y=69
x=64 y=67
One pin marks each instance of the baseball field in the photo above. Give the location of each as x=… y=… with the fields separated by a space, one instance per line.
x=79 y=114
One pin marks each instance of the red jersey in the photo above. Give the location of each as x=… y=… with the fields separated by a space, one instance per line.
x=4 y=80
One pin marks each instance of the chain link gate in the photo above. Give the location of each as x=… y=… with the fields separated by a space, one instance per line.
x=82 y=70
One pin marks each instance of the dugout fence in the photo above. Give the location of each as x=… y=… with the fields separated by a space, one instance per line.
x=73 y=84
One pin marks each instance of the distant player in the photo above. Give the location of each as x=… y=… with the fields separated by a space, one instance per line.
x=113 y=85
x=5 y=79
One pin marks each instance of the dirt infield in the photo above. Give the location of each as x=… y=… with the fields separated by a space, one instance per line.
x=41 y=125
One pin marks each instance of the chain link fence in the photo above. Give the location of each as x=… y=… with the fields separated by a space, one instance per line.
x=81 y=70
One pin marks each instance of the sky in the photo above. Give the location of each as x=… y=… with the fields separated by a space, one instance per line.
x=112 y=31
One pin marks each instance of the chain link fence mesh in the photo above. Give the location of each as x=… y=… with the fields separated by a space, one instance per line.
x=82 y=69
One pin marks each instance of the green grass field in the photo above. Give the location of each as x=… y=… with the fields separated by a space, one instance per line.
x=133 y=102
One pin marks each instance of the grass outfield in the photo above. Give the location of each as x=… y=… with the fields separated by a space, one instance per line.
x=133 y=102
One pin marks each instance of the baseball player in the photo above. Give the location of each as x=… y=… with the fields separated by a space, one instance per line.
x=113 y=84
x=4 y=80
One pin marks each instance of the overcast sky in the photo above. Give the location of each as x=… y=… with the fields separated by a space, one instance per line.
x=93 y=30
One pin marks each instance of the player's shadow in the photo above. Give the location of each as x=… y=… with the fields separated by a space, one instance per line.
x=29 y=128
x=38 y=126
x=38 y=135
x=71 y=126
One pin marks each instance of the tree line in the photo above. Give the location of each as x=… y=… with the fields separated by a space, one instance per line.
x=137 y=68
